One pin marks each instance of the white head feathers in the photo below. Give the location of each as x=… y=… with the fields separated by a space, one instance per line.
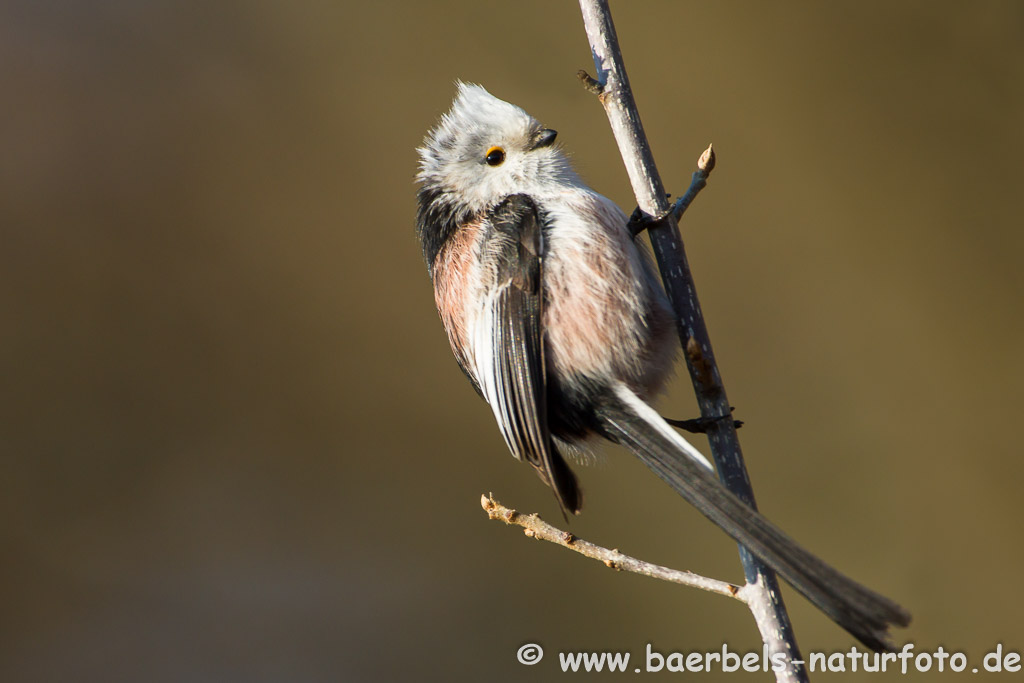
x=457 y=159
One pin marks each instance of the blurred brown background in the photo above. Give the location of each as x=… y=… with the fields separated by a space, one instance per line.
x=235 y=446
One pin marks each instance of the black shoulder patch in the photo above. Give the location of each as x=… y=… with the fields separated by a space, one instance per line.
x=436 y=221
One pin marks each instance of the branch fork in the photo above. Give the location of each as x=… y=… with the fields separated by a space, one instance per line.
x=640 y=221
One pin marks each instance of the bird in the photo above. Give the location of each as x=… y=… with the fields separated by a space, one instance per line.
x=554 y=312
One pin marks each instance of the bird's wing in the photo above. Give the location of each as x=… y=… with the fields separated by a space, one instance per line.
x=508 y=343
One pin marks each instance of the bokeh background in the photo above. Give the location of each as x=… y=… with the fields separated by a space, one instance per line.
x=235 y=446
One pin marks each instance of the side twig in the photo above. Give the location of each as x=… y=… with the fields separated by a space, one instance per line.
x=612 y=84
x=535 y=527
x=705 y=165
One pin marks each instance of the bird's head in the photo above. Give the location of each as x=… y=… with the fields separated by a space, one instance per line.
x=485 y=149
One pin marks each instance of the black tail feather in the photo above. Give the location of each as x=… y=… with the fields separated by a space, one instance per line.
x=864 y=613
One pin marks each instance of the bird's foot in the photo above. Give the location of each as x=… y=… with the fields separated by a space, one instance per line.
x=701 y=425
x=639 y=220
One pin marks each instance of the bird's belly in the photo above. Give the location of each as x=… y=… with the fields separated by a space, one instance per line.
x=604 y=317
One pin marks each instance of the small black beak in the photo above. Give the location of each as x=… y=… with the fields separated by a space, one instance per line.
x=543 y=138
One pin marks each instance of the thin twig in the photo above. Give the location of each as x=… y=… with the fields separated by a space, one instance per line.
x=535 y=527
x=705 y=165
x=765 y=598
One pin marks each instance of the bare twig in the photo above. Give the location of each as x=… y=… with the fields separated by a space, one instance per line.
x=765 y=598
x=535 y=527
x=705 y=165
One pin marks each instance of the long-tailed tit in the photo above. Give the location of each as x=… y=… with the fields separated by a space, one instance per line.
x=554 y=313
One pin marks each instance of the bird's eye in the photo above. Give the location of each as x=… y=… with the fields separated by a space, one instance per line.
x=494 y=156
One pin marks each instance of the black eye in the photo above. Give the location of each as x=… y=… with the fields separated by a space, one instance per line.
x=494 y=157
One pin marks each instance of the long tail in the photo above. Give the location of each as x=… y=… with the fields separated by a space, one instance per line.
x=864 y=613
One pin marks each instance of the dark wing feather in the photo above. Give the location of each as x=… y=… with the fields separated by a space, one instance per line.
x=520 y=373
